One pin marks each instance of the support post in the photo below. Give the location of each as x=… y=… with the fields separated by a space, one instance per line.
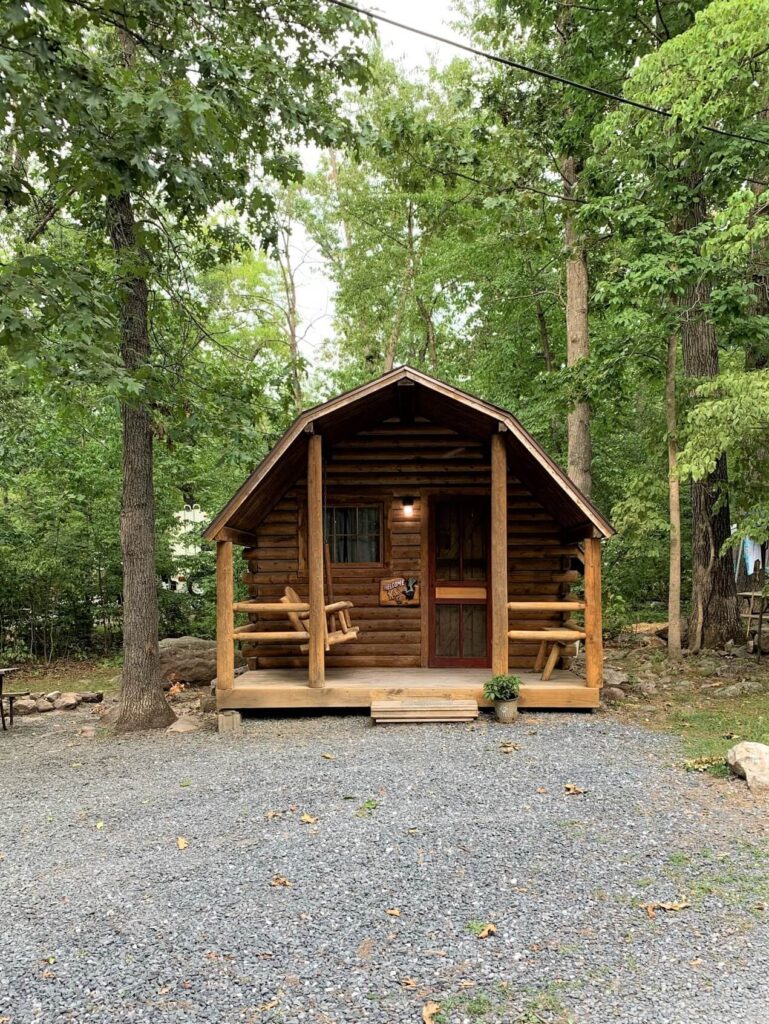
x=593 y=634
x=317 y=643
x=499 y=614
x=225 y=598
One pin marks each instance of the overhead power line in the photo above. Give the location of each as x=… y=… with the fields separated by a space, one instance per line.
x=537 y=72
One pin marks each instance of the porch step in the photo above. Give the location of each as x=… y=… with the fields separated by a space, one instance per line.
x=423 y=709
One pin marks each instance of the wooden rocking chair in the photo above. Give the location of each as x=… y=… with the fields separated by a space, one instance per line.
x=336 y=610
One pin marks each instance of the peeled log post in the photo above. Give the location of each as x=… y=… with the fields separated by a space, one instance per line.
x=225 y=594
x=593 y=626
x=499 y=617
x=317 y=645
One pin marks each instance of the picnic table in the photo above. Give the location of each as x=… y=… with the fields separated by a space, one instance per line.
x=10 y=697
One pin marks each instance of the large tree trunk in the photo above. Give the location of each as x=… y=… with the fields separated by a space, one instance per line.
x=142 y=702
x=715 y=614
x=674 y=505
x=577 y=338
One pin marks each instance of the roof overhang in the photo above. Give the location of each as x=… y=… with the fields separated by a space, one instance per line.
x=377 y=400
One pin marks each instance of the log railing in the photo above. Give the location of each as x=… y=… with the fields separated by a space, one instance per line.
x=590 y=633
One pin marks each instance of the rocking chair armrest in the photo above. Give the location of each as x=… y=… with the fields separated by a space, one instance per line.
x=339 y=606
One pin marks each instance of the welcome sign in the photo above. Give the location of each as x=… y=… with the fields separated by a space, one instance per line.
x=399 y=590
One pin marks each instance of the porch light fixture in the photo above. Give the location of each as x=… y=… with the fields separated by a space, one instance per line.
x=408 y=506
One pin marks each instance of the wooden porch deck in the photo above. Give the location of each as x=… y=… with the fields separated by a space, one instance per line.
x=357 y=687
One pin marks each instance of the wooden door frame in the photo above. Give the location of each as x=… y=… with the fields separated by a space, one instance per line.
x=429 y=658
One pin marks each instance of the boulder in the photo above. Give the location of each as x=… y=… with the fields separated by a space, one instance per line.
x=645 y=687
x=67 y=702
x=613 y=694
x=185 y=724
x=92 y=697
x=190 y=659
x=43 y=704
x=750 y=761
x=655 y=642
x=24 y=706
x=53 y=696
x=613 y=677
x=744 y=688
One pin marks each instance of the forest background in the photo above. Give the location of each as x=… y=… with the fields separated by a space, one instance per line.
x=598 y=267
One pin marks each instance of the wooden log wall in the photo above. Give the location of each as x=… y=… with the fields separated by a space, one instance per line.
x=380 y=466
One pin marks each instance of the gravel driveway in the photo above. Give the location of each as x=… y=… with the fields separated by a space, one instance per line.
x=424 y=835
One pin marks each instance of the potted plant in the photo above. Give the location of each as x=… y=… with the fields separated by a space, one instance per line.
x=503 y=691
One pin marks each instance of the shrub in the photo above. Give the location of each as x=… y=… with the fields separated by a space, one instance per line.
x=502 y=688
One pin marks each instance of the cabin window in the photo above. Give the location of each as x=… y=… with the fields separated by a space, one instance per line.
x=354 y=533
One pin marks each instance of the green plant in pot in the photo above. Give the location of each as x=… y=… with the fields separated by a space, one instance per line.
x=503 y=692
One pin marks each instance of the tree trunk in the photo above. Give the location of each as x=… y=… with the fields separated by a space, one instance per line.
x=577 y=338
x=715 y=614
x=142 y=702
x=674 y=505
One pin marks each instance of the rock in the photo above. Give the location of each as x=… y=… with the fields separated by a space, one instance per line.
x=207 y=703
x=612 y=694
x=645 y=688
x=185 y=724
x=53 y=696
x=190 y=659
x=613 y=677
x=92 y=697
x=744 y=688
x=43 y=704
x=655 y=642
x=67 y=702
x=750 y=761
x=24 y=706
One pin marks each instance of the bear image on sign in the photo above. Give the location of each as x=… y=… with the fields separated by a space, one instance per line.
x=399 y=590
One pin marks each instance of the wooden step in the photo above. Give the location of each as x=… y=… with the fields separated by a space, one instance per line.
x=423 y=709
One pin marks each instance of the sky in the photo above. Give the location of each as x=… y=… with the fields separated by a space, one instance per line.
x=314 y=289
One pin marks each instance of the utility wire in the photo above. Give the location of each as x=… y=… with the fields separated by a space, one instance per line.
x=538 y=72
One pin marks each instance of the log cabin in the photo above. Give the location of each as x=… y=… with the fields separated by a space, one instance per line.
x=407 y=539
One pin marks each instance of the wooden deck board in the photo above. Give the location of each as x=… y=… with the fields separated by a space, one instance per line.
x=357 y=687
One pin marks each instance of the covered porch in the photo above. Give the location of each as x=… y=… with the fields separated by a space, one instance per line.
x=358 y=687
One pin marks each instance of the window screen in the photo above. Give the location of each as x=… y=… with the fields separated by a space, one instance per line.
x=354 y=533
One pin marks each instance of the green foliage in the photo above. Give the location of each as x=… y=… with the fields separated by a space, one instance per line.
x=506 y=687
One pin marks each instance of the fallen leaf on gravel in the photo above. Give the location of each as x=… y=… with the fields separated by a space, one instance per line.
x=184 y=783
x=571 y=790
x=366 y=948
x=467 y=983
x=393 y=912
x=75 y=764
x=48 y=974
x=100 y=825
x=307 y=819
x=650 y=908
x=508 y=747
x=181 y=843
x=279 y=880
x=329 y=757
x=269 y=815
x=175 y=689
x=541 y=789
x=487 y=930
x=269 y=1005
x=293 y=807
x=429 y=1011
x=408 y=983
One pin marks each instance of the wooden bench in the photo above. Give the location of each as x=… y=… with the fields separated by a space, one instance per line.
x=10 y=697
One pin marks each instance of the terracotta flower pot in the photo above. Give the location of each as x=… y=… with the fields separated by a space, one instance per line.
x=506 y=711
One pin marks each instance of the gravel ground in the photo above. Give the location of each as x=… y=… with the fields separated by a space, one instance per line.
x=106 y=919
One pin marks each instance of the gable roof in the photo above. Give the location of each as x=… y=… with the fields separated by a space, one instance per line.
x=441 y=402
